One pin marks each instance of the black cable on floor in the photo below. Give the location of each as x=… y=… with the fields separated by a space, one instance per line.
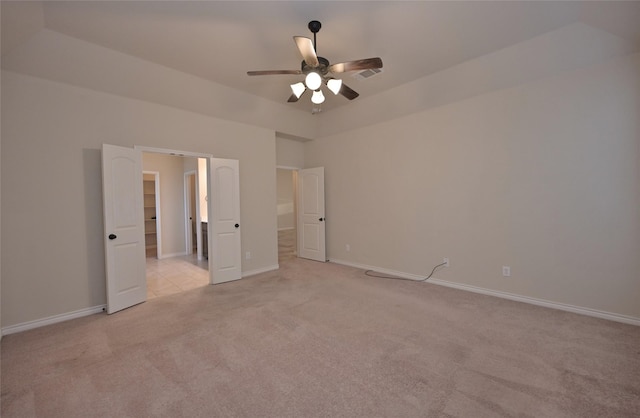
x=368 y=273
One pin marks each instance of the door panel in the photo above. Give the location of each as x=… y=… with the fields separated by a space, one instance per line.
x=311 y=219
x=224 y=215
x=124 y=227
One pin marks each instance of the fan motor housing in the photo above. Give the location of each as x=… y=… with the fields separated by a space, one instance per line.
x=322 y=68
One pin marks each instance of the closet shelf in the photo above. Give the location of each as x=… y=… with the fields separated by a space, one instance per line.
x=150 y=214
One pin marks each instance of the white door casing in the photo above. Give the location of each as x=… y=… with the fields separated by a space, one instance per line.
x=225 y=259
x=311 y=218
x=123 y=227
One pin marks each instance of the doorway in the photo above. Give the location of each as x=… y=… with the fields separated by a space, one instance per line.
x=172 y=263
x=122 y=196
x=286 y=186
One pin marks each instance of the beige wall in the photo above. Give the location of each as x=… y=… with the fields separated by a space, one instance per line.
x=52 y=228
x=289 y=153
x=102 y=69
x=543 y=177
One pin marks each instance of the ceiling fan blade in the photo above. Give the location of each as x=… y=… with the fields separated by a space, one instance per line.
x=356 y=65
x=274 y=72
x=348 y=92
x=307 y=50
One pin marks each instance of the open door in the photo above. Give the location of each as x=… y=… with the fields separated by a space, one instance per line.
x=311 y=220
x=225 y=259
x=123 y=227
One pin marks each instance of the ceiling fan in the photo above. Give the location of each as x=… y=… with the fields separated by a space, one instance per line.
x=318 y=71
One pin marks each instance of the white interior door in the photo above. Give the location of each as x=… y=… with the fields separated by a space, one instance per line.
x=225 y=259
x=311 y=219
x=123 y=227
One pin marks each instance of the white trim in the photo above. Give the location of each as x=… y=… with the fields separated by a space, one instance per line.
x=172 y=152
x=288 y=228
x=285 y=167
x=25 y=326
x=378 y=269
x=258 y=271
x=504 y=295
x=542 y=302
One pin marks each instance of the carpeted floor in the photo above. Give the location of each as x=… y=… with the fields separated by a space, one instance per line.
x=318 y=339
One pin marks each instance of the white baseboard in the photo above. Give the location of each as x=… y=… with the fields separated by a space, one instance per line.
x=542 y=302
x=504 y=295
x=12 y=329
x=258 y=271
x=378 y=269
x=253 y=273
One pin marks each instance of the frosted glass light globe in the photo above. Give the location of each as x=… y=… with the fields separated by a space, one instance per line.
x=298 y=89
x=334 y=85
x=317 y=97
x=313 y=81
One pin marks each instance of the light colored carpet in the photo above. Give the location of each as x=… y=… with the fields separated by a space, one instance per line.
x=322 y=340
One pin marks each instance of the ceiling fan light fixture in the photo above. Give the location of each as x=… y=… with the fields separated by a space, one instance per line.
x=316 y=70
x=334 y=85
x=317 y=97
x=313 y=80
x=298 y=89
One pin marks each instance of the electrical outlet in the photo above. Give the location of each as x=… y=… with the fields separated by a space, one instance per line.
x=506 y=271
x=247 y=256
x=347 y=247
x=445 y=261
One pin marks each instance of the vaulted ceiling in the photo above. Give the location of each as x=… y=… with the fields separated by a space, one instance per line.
x=429 y=49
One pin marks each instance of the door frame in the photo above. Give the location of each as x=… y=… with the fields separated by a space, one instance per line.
x=178 y=153
x=294 y=173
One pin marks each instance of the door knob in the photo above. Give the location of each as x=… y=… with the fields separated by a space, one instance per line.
x=113 y=236
x=237 y=225
x=321 y=219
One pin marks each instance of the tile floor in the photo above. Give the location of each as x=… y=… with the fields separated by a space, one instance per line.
x=286 y=245
x=177 y=274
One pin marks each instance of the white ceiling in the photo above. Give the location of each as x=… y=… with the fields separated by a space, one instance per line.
x=221 y=40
